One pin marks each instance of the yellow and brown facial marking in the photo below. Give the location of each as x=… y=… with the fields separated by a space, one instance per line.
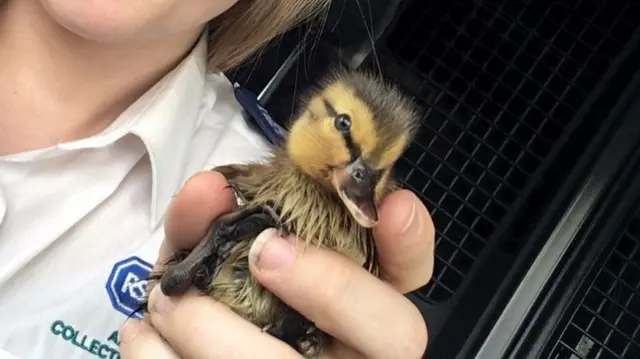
x=317 y=146
x=349 y=141
x=340 y=99
x=386 y=153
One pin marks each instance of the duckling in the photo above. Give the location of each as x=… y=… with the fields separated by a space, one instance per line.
x=323 y=186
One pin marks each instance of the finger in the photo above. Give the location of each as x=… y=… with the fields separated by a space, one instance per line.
x=202 y=199
x=198 y=327
x=338 y=350
x=405 y=240
x=388 y=327
x=139 y=341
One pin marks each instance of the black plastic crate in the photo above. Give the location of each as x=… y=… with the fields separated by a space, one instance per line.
x=605 y=323
x=501 y=82
x=517 y=96
x=573 y=301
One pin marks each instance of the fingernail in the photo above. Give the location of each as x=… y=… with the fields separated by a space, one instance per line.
x=411 y=222
x=271 y=252
x=130 y=330
x=159 y=302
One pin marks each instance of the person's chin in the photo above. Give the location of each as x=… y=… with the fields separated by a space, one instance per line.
x=107 y=21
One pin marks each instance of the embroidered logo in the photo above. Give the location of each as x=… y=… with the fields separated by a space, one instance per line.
x=127 y=285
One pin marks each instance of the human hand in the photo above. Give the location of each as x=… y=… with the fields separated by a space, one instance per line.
x=369 y=317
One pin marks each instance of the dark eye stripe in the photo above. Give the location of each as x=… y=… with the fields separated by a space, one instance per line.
x=330 y=110
x=354 y=149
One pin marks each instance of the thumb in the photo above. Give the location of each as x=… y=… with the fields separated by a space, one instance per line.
x=405 y=240
x=201 y=200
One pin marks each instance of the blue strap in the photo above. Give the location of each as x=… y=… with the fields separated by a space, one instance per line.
x=275 y=133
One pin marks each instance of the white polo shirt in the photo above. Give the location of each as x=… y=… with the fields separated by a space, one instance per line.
x=82 y=222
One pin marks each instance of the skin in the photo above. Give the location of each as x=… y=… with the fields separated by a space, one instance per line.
x=69 y=68
x=388 y=326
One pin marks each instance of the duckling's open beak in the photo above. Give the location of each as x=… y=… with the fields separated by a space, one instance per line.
x=355 y=185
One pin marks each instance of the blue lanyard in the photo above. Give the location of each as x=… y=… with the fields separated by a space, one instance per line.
x=275 y=133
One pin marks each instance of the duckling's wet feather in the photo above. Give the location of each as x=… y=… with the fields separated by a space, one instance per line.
x=310 y=189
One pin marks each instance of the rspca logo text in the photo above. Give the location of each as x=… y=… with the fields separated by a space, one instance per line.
x=127 y=285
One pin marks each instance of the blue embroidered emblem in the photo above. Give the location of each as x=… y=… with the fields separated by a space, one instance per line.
x=127 y=285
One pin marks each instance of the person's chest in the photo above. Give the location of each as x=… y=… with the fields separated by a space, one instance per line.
x=77 y=241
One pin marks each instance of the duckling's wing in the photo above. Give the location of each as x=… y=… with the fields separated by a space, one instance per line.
x=244 y=178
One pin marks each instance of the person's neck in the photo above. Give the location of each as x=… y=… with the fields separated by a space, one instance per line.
x=56 y=86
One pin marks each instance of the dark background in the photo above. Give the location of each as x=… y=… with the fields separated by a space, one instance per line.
x=520 y=99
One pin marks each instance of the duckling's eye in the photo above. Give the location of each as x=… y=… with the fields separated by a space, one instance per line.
x=342 y=123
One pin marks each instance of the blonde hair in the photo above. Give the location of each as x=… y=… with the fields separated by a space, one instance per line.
x=250 y=24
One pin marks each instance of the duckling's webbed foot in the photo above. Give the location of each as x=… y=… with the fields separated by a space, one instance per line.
x=298 y=332
x=203 y=262
x=311 y=344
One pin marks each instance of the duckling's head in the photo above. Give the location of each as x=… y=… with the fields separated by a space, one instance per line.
x=348 y=136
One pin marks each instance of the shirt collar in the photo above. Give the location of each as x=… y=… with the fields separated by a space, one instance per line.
x=164 y=118
x=166 y=124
